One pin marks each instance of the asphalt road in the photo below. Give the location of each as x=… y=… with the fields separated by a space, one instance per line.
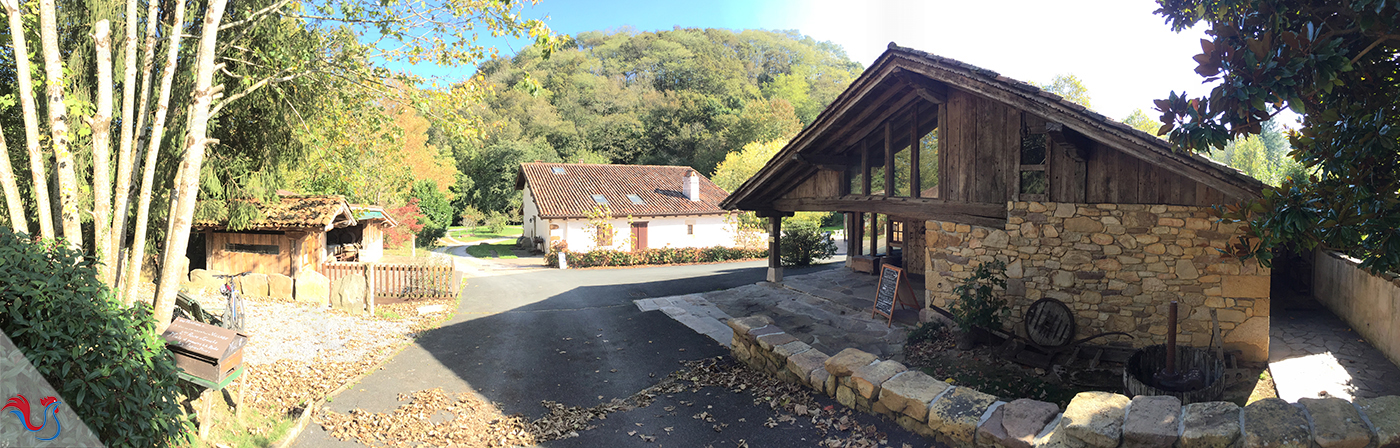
x=519 y=339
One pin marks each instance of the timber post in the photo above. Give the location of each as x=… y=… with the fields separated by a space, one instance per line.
x=775 y=247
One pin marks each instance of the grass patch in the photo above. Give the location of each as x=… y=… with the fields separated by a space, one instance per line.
x=469 y=235
x=832 y=228
x=492 y=251
x=387 y=315
x=257 y=430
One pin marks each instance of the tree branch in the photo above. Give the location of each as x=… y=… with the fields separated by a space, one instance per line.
x=258 y=15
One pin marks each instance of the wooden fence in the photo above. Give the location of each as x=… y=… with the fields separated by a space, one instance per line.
x=391 y=283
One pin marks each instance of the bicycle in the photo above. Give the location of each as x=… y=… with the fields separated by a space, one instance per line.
x=233 y=312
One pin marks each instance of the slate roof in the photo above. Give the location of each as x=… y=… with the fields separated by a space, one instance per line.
x=570 y=194
x=295 y=212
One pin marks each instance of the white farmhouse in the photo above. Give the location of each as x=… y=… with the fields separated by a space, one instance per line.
x=652 y=206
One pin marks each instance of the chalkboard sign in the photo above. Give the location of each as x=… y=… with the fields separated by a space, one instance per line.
x=893 y=287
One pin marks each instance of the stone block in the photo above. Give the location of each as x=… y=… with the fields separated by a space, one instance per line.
x=1214 y=424
x=1152 y=422
x=847 y=361
x=998 y=239
x=802 y=364
x=846 y=396
x=783 y=353
x=1065 y=210
x=910 y=393
x=1251 y=338
x=1020 y=421
x=957 y=413
x=915 y=426
x=349 y=293
x=818 y=379
x=1336 y=423
x=742 y=325
x=312 y=287
x=768 y=341
x=869 y=378
x=1096 y=418
x=1245 y=286
x=204 y=279
x=279 y=286
x=766 y=329
x=1274 y=423
x=1083 y=225
x=253 y=285
x=1057 y=437
x=829 y=387
x=1384 y=414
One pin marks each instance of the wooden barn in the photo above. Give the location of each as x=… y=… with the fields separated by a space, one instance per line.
x=940 y=166
x=290 y=238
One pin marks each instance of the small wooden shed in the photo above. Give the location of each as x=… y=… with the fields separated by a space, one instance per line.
x=940 y=166
x=290 y=238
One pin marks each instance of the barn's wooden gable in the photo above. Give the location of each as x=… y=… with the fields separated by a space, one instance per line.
x=923 y=137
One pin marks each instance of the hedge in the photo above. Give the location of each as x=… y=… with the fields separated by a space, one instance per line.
x=668 y=255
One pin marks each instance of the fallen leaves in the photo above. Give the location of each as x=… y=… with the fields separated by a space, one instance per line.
x=471 y=421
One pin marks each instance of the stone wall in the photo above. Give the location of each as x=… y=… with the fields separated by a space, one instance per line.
x=963 y=417
x=1117 y=266
x=1368 y=302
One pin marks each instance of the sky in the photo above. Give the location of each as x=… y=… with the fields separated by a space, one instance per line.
x=1125 y=55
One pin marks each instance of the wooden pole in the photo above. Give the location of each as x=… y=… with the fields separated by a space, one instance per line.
x=775 y=249
x=914 y=183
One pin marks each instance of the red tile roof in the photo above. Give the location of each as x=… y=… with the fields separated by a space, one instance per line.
x=294 y=212
x=569 y=195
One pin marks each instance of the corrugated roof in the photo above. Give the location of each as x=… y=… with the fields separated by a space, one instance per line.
x=570 y=195
x=295 y=212
x=372 y=213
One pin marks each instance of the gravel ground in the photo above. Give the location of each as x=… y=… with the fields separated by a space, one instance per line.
x=298 y=352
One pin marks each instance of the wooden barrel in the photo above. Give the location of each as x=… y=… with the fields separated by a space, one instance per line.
x=1137 y=375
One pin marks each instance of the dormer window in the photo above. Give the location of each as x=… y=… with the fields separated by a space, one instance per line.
x=600 y=199
x=637 y=200
x=557 y=170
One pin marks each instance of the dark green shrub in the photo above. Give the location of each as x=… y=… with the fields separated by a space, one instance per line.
x=107 y=362
x=665 y=255
x=978 y=304
x=803 y=242
x=497 y=223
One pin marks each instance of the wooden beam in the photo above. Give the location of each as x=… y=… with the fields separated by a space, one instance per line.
x=932 y=91
x=986 y=215
x=826 y=162
x=864 y=169
x=914 y=152
x=769 y=213
x=1078 y=145
x=889 y=161
x=876 y=122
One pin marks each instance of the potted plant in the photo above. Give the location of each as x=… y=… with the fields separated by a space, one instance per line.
x=979 y=306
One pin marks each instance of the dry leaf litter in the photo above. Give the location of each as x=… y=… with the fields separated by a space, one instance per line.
x=472 y=422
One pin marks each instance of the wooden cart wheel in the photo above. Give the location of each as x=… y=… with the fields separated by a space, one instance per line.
x=1049 y=323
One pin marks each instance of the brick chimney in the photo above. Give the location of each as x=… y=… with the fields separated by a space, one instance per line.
x=691 y=185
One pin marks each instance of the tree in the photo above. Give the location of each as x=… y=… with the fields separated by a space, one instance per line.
x=1070 y=87
x=1333 y=64
x=740 y=165
x=1140 y=121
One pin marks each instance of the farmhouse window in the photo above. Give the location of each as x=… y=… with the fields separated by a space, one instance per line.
x=1035 y=150
x=690 y=229
x=264 y=249
x=897 y=233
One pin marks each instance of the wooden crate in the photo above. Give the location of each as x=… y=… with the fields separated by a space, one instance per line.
x=205 y=351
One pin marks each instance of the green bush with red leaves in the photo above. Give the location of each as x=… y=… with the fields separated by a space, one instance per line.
x=667 y=255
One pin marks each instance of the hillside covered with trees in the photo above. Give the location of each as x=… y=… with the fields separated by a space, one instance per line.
x=678 y=97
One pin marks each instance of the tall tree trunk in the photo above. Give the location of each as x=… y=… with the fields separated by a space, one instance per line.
x=122 y=190
x=126 y=285
x=187 y=186
x=38 y=172
x=58 y=126
x=7 y=181
x=102 y=153
x=148 y=175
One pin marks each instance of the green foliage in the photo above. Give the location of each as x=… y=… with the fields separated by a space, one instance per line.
x=676 y=97
x=437 y=211
x=978 y=303
x=1070 y=87
x=497 y=222
x=804 y=242
x=925 y=332
x=107 y=362
x=1332 y=63
x=1140 y=121
x=471 y=217
x=665 y=255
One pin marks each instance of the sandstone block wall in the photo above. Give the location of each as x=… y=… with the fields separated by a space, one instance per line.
x=1370 y=303
x=964 y=417
x=1117 y=266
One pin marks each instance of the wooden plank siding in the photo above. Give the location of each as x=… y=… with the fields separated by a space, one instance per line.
x=233 y=262
x=978 y=141
x=824 y=184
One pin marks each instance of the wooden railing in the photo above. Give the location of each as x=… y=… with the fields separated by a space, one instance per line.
x=390 y=282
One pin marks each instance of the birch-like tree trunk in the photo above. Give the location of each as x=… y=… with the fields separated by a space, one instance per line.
x=38 y=173
x=148 y=174
x=126 y=284
x=7 y=181
x=58 y=126
x=122 y=190
x=102 y=153
x=187 y=185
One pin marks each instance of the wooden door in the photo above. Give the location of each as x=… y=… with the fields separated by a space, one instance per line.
x=639 y=236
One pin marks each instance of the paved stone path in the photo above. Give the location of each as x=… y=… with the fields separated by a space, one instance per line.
x=829 y=310
x=1313 y=352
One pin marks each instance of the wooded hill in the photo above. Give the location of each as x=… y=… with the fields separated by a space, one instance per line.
x=680 y=97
